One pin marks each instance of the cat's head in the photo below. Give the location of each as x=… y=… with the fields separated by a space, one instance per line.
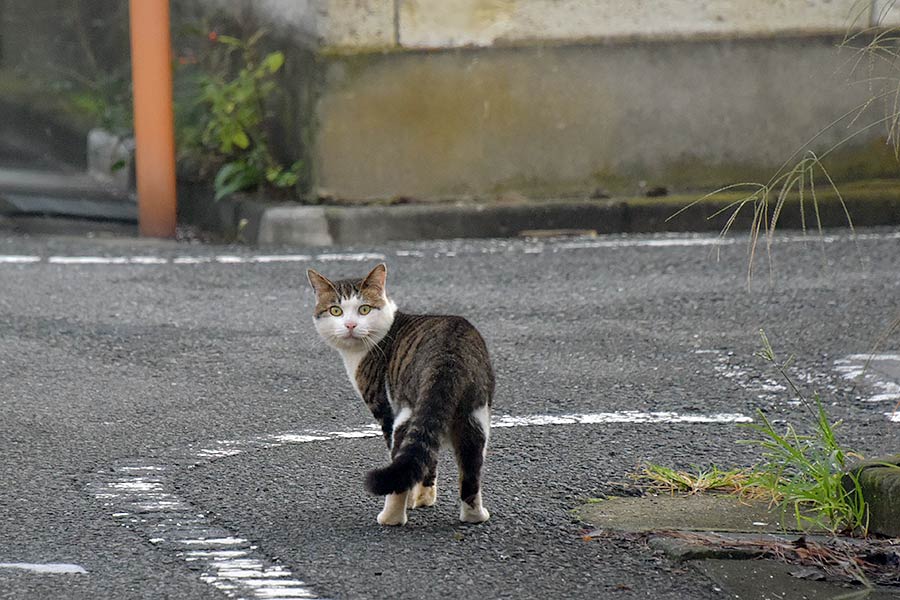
x=352 y=314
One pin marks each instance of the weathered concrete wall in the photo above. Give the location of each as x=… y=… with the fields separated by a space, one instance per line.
x=359 y=24
x=437 y=98
x=453 y=23
x=381 y=24
x=566 y=119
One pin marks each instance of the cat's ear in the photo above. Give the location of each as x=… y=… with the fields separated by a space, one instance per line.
x=375 y=279
x=319 y=282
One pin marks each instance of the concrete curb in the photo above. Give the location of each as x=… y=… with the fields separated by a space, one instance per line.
x=269 y=224
x=879 y=480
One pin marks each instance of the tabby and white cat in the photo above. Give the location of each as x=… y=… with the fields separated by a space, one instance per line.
x=427 y=380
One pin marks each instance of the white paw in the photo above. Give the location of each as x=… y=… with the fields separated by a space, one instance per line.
x=421 y=496
x=468 y=514
x=394 y=511
x=392 y=518
x=427 y=496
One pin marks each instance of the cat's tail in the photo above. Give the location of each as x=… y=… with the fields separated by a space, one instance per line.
x=401 y=475
x=409 y=466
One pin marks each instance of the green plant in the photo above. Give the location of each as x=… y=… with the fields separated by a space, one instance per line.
x=233 y=89
x=806 y=471
x=875 y=47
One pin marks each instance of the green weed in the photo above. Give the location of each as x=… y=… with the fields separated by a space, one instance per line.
x=805 y=470
x=808 y=471
x=803 y=174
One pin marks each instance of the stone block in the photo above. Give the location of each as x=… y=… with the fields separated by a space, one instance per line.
x=879 y=479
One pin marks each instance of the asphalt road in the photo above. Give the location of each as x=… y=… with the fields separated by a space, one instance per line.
x=171 y=425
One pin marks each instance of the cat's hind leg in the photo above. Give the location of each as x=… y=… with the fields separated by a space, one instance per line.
x=424 y=493
x=394 y=511
x=470 y=445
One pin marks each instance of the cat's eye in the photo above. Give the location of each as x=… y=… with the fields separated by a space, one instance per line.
x=365 y=309
x=335 y=311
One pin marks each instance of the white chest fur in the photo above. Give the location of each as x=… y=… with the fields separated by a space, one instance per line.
x=351 y=364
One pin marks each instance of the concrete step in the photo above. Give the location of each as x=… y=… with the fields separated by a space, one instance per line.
x=58 y=184
x=49 y=193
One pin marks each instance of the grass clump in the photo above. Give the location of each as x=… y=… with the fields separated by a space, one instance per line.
x=805 y=471
x=696 y=481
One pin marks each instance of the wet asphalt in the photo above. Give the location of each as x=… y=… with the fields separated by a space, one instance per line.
x=106 y=363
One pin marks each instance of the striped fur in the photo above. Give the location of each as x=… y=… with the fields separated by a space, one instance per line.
x=436 y=370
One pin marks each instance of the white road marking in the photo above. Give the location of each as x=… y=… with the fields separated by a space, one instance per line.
x=191 y=260
x=507 y=246
x=706 y=240
x=276 y=258
x=225 y=541
x=63 y=568
x=18 y=260
x=866 y=370
x=140 y=496
x=228 y=562
x=361 y=257
x=88 y=260
x=874 y=357
x=626 y=416
x=222 y=259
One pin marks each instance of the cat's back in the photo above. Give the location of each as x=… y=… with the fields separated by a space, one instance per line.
x=427 y=342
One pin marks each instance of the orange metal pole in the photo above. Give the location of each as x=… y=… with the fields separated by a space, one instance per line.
x=154 y=128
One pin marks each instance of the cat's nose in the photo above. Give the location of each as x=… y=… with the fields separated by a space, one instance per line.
x=350 y=326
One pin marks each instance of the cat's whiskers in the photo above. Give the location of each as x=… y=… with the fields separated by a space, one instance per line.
x=371 y=345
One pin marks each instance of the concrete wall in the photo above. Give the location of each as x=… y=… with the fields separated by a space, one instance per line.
x=453 y=23
x=474 y=98
x=566 y=119
x=466 y=98
x=380 y=24
x=358 y=24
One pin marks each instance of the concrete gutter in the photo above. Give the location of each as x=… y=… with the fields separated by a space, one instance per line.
x=747 y=547
x=256 y=221
x=268 y=224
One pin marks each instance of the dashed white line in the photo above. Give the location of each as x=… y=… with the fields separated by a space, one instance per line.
x=360 y=257
x=221 y=259
x=18 y=260
x=60 y=568
x=88 y=260
x=511 y=246
x=139 y=496
x=626 y=416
